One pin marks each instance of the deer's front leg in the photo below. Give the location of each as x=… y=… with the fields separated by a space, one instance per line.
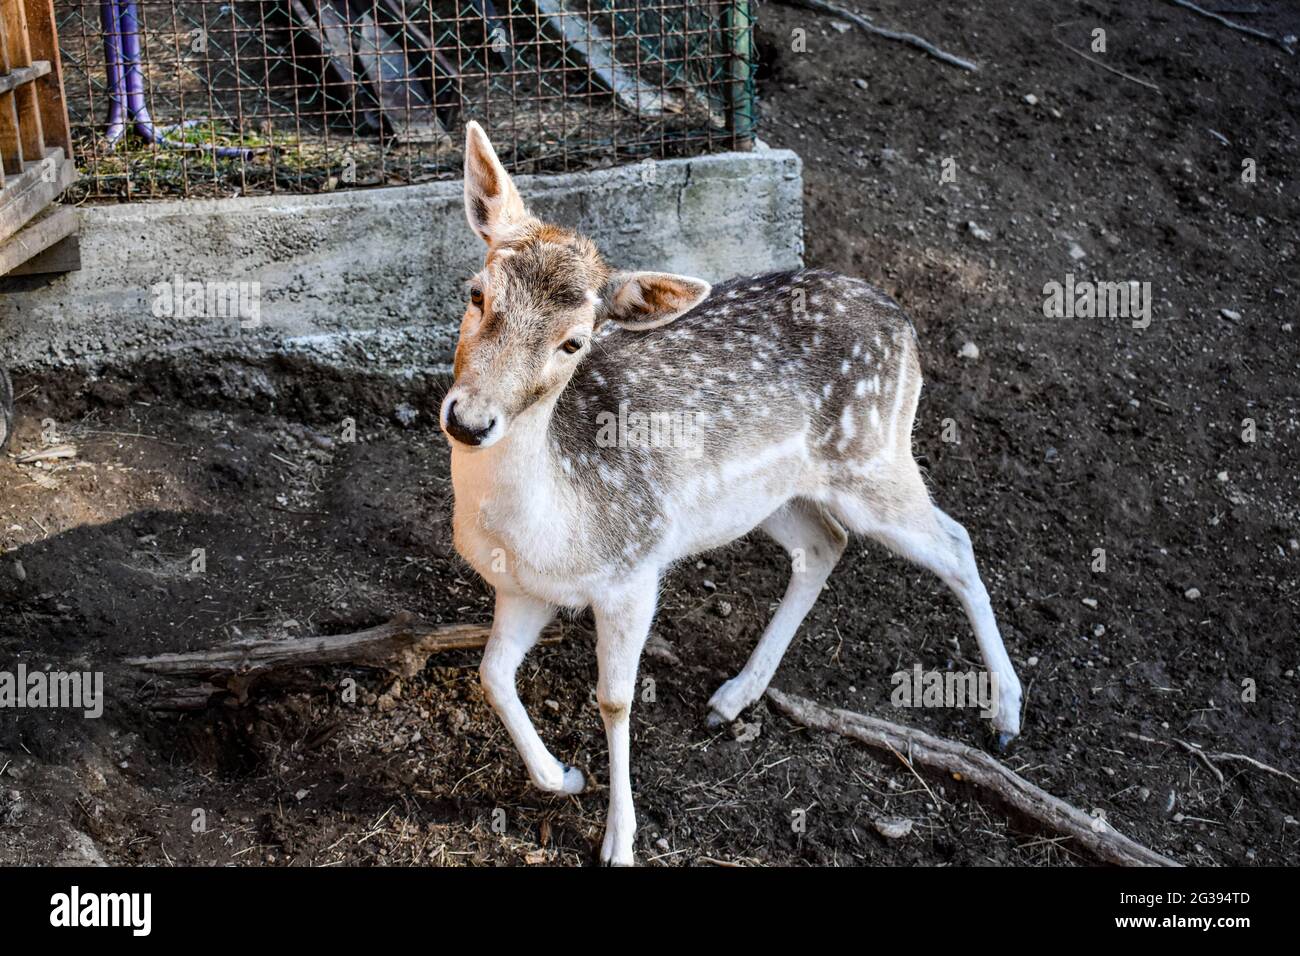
x=517 y=623
x=622 y=626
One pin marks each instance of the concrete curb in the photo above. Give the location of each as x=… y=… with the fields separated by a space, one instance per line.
x=373 y=278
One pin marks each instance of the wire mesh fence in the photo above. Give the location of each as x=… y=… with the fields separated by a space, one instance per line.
x=219 y=98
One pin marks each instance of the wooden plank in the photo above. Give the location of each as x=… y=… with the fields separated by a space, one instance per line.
x=49 y=91
x=46 y=244
x=11 y=148
x=63 y=256
x=30 y=135
x=36 y=187
x=590 y=46
x=23 y=74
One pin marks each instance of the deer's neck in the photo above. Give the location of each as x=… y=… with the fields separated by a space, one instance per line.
x=513 y=497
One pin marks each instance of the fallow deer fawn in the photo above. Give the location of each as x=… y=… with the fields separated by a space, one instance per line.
x=802 y=387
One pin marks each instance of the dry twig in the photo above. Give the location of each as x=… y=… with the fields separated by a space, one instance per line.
x=867 y=24
x=1219 y=18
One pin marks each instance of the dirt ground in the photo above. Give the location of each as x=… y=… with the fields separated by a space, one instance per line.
x=1075 y=434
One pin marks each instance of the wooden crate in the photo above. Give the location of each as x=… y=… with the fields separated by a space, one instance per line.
x=36 y=162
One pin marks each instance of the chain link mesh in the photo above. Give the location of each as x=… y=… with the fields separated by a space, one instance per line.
x=258 y=96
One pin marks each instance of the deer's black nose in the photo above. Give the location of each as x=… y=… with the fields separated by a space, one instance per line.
x=462 y=432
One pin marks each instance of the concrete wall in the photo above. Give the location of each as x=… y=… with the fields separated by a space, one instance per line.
x=375 y=277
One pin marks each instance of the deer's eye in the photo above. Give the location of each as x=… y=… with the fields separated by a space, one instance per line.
x=572 y=345
x=476 y=296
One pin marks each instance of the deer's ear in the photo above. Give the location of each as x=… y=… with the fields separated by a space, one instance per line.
x=492 y=204
x=647 y=300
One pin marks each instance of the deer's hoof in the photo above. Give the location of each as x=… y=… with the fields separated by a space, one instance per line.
x=715 y=721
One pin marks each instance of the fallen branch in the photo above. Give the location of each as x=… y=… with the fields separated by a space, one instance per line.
x=1239 y=27
x=867 y=24
x=1092 y=833
x=402 y=646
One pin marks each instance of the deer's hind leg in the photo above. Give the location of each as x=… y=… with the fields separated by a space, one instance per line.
x=815 y=541
x=896 y=510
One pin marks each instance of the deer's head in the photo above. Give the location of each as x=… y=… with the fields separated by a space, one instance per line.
x=534 y=305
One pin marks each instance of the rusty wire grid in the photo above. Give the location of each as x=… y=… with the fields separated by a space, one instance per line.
x=215 y=98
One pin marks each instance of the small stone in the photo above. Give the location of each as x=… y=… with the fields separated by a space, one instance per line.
x=1076 y=252
x=1293 y=544
x=745 y=732
x=839 y=26
x=20 y=572
x=663 y=844
x=978 y=231
x=1144 y=793
x=724 y=609
x=1090 y=602
x=860 y=83
x=1222 y=476
x=552 y=705
x=1230 y=315
x=301 y=794
x=1099 y=630
x=709 y=585
x=888 y=155
x=1192 y=594
x=892 y=828
x=1032 y=662
x=405 y=415
x=1031 y=99
x=969 y=351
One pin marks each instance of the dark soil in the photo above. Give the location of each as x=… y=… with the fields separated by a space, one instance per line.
x=1075 y=435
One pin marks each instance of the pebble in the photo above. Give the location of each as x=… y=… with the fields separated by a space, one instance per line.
x=839 y=26
x=724 y=609
x=978 y=231
x=1230 y=315
x=745 y=732
x=1090 y=602
x=1192 y=594
x=1222 y=476
x=860 y=83
x=1076 y=252
x=1032 y=662
x=892 y=828
x=1031 y=99
x=969 y=351
x=552 y=705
